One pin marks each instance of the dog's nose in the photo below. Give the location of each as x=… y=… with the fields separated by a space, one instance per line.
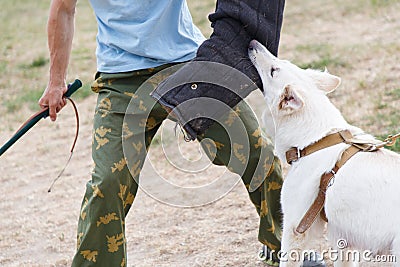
x=253 y=45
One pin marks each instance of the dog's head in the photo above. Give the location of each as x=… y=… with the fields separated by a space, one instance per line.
x=296 y=97
x=285 y=84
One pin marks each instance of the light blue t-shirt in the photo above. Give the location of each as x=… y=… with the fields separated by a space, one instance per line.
x=140 y=34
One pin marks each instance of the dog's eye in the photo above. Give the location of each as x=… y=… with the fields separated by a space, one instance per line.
x=273 y=71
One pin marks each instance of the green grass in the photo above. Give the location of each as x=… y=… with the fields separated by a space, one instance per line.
x=39 y=62
x=324 y=61
x=366 y=7
x=200 y=11
x=380 y=3
x=3 y=65
x=28 y=97
x=322 y=55
x=24 y=58
x=83 y=92
x=385 y=121
x=394 y=94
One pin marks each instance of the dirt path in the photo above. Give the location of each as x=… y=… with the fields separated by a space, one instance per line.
x=38 y=228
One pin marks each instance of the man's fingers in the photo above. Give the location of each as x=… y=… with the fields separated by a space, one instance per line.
x=60 y=107
x=55 y=107
x=43 y=103
x=53 y=113
x=54 y=100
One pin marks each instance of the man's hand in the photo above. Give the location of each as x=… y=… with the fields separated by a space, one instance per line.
x=53 y=99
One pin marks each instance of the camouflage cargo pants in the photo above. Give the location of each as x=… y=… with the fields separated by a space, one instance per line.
x=112 y=189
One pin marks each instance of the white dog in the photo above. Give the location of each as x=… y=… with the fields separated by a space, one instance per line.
x=363 y=204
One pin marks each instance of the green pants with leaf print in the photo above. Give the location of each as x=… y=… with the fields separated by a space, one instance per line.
x=112 y=189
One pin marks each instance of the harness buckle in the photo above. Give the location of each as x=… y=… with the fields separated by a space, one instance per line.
x=332 y=181
x=373 y=148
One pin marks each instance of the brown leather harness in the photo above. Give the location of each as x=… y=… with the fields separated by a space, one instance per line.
x=326 y=180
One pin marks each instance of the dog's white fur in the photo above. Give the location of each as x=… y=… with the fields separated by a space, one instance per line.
x=363 y=204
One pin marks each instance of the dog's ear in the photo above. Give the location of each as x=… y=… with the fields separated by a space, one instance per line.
x=324 y=80
x=290 y=99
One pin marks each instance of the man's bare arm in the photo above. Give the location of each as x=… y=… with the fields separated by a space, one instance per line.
x=60 y=32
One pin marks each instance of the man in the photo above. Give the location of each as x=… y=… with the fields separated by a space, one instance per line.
x=135 y=41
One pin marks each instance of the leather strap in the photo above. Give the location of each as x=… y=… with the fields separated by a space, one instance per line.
x=326 y=181
x=73 y=144
x=294 y=153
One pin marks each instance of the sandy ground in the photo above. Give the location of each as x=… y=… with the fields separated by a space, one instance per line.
x=38 y=228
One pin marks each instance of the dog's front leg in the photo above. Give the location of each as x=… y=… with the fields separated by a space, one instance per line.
x=396 y=250
x=345 y=259
x=292 y=246
x=345 y=256
x=296 y=246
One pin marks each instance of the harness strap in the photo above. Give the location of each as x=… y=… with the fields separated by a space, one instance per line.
x=294 y=153
x=356 y=145
x=326 y=181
